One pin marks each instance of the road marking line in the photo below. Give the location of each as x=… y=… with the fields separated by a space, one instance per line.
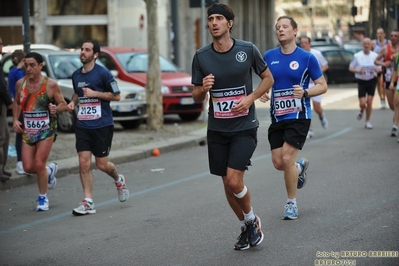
x=148 y=190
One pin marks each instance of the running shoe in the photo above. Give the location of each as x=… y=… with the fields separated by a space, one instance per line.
x=19 y=168
x=254 y=232
x=359 y=115
x=242 y=243
x=394 y=132
x=324 y=122
x=291 y=211
x=42 y=204
x=85 y=207
x=304 y=163
x=382 y=105
x=123 y=192
x=368 y=125
x=310 y=134
x=52 y=180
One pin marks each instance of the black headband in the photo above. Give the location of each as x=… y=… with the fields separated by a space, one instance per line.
x=221 y=11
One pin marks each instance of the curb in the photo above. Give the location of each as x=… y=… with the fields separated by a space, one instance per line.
x=71 y=165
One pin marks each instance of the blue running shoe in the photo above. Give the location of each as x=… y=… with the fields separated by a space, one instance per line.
x=52 y=181
x=42 y=204
x=302 y=175
x=291 y=211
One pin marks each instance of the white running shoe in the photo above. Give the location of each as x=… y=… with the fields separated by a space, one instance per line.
x=52 y=180
x=368 y=125
x=310 y=134
x=123 y=192
x=20 y=169
x=42 y=203
x=324 y=122
x=383 y=105
x=84 y=208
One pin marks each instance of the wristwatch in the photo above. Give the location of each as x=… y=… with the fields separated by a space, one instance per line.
x=305 y=93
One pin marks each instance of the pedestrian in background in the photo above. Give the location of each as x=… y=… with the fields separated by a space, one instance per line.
x=290 y=110
x=5 y=104
x=94 y=87
x=365 y=71
x=305 y=43
x=224 y=69
x=17 y=72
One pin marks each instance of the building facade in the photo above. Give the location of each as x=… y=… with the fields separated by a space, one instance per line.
x=67 y=23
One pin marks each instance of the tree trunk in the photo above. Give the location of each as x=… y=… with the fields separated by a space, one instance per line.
x=154 y=95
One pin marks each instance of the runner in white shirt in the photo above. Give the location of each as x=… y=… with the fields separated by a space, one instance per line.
x=365 y=71
x=316 y=100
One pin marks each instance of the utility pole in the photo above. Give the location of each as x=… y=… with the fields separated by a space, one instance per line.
x=203 y=43
x=26 y=25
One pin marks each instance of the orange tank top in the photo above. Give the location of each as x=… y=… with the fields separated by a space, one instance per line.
x=39 y=124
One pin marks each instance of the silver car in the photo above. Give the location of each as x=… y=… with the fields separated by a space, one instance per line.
x=130 y=111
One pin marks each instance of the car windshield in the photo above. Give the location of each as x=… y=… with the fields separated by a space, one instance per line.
x=138 y=62
x=64 y=65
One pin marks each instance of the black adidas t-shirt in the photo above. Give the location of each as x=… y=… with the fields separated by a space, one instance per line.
x=233 y=79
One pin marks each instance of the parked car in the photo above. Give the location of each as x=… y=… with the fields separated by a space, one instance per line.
x=131 y=65
x=353 y=46
x=130 y=111
x=338 y=64
x=8 y=49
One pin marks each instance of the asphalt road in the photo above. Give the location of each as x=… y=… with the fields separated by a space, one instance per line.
x=177 y=213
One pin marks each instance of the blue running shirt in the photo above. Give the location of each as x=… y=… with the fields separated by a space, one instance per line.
x=93 y=112
x=288 y=70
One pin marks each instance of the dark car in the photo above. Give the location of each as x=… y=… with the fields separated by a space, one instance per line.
x=353 y=46
x=130 y=111
x=338 y=64
x=131 y=65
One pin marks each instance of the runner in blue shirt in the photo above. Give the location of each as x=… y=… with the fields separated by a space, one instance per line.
x=292 y=68
x=94 y=88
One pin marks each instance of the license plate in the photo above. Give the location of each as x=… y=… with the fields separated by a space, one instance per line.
x=186 y=101
x=124 y=108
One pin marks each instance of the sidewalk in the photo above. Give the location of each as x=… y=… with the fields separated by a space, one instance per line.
x=133 y=153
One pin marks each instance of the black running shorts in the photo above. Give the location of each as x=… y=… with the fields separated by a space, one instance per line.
x=98 y=141
x=389 y=83
x=293 y=131
x=366 y=87
x=230 y=149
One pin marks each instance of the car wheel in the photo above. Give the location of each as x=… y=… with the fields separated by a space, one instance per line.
x=67 y=121
x=131 y=124
x=190 y=116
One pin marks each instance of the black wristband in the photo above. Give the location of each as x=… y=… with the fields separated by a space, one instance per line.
x=305 y=93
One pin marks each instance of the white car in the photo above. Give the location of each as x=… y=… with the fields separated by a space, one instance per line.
x=130 y=111
x=8 y=49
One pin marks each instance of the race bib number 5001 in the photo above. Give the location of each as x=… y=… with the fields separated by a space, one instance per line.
x=89 y=108
x=285 y=102
x=224 y=99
